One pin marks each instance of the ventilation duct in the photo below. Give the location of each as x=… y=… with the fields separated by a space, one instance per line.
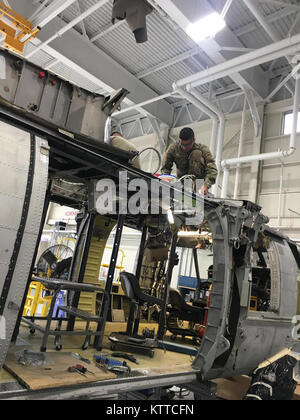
x=135 y=12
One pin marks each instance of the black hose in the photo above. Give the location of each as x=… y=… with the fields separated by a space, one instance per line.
x=158 y=154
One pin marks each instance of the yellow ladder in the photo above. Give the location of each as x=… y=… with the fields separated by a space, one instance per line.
x=35 y=298
x=87 y=301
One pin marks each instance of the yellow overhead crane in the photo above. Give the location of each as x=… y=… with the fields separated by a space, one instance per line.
x=17 y=30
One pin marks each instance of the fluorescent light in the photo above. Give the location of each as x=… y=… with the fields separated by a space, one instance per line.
x=206 y=27
x=187 y=233
x=170 y=217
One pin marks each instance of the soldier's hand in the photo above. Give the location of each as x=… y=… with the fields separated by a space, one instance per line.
x=204 y=190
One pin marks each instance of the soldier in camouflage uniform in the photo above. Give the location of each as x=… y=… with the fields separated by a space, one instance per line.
x=191 y=159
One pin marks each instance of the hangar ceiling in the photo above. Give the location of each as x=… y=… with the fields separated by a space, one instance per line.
x=80 y=44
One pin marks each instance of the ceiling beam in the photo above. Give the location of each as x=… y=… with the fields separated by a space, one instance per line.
x=50 y=12
x=289 y=46
x=86 y=57
x=170 y=62
x=184 y=13
x=254 y=26
x=269 y=29
x=278 y=3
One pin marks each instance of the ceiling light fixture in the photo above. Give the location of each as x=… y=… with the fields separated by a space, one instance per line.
x=184 y=233
x=206 y=27
x=170 y=217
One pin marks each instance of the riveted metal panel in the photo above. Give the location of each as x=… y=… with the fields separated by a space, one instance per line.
x=52 y=98
x=23 y=181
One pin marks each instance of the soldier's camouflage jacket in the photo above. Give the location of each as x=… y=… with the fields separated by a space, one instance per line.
x=198 y=162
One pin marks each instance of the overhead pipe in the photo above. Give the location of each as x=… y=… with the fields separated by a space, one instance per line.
x=141 y=104
x=214 y=136
x=69 y=26
x=226 y=164
x=107 y=130
x=280 y=194
x=221 y=134
x=240 y=150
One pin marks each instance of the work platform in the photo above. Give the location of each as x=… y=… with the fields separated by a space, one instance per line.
x=165 y=369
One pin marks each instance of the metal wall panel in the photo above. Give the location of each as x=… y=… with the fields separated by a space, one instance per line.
x=14 y=182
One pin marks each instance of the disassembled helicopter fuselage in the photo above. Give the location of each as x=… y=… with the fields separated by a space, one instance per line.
x=250 y=260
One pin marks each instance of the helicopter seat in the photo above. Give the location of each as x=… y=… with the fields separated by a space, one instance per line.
x=184 y=311
x=132 y=289
x=179 y=310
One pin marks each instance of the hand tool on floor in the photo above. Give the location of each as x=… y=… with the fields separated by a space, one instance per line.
x=79 y=357
x=126 y=356
x=111 y=364
x=73 y=369
x=83 y=369
x=101 y=366
x=120 y=369
x=107 y=361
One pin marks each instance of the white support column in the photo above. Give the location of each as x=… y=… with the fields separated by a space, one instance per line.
x=240 y=151
x=225 y=182
x=255 y=166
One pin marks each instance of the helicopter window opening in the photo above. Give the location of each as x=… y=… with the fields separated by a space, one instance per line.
x=192 y=279
x=265 y=276
x=188 y=283
x=54 y=257
x=129 y=246
x=57 y=242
